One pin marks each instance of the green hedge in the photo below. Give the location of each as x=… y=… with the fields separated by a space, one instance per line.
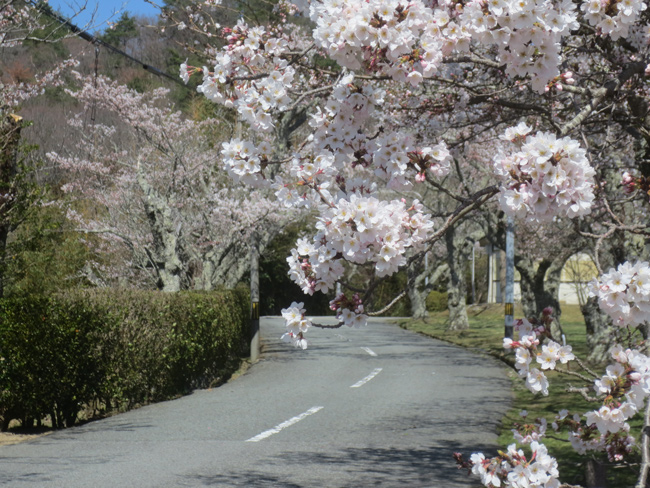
x=437 y=301
x=114 y=349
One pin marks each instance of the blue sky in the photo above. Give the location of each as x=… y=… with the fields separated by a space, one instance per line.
x=105 y=10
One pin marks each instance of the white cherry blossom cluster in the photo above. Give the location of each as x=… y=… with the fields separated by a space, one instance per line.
x=526 y=33
x=244 y=160
x=613 y=17
x=249 y=74
x=14 y=94
x=583 y=438
x=527 y=349
x=406 y=41
x=608 y=419
x=624 y=293
x=624 y=388
x=361 y=230
x=625 y=384
x=349 y=311
x=513 y=469
x=547 y=177
x=391 y=37
x=639 y=36
x=16 y=22
x=527 y=432
x=297 y=324
x=341 y=138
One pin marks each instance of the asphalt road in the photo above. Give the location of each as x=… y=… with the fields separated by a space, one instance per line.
x=376 y=407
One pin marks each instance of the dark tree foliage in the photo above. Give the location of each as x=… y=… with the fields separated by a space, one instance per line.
x=124 y=30
x=276 y=288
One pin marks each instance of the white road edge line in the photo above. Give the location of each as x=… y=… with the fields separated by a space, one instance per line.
x=284 y=425
x=369 y=351
x=374 y=373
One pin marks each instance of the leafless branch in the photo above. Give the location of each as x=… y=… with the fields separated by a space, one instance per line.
x=387 y=307
x=583 y=391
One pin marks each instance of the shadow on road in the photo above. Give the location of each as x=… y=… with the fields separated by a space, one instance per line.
x=358 y=467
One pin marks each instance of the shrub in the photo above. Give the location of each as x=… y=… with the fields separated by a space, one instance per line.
x=114 y=348
x=437 y=301
x=46 y=367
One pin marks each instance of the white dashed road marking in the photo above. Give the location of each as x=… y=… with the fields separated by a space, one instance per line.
x=284 y=425
x=369 y=351
x=375 y=372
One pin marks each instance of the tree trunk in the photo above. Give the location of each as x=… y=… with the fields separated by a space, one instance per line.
x=227 y=265
x=550 y=296
x=599 y=331
x=526 y=285
x=456 y=287
x=417 y=292
x=540 y=287
x=595 y=474
x=165 y=252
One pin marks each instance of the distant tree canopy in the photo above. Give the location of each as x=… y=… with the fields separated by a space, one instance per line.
x=121 y=32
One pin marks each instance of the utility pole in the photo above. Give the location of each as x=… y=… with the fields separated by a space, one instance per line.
x=510 y=277
x=255 y=299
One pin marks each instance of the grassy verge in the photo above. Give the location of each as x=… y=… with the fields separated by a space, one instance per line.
x=486 y=335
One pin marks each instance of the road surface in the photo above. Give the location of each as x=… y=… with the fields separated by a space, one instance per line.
x=375 y=407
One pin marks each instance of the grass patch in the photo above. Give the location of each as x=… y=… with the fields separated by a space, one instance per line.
x=486 y=335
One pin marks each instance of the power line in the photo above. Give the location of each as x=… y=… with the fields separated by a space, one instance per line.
x=96 y=41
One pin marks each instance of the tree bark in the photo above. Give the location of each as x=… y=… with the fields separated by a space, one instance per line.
x=527 y=293
x=599 y=331
x=165 y=252
x=418 y=290
x=540 y=286
x=227 y=265
x=595 y=474
x=456 y=287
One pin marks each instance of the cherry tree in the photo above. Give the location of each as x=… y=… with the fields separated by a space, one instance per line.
x=22 y=21
x=398 y=95
x=146 y=180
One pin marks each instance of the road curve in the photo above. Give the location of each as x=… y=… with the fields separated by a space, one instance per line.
x=379 y=406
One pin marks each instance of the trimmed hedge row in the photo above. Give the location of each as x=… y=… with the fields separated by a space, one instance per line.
x=436 y=301
x=113 y=349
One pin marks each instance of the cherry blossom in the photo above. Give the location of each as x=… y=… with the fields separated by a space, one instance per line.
x=407 y=98
x=545 y=178
x=624 y=293
x=297 y=325
x=515 y=469
x=526 y=350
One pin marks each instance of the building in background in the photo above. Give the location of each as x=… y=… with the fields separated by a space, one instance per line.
x=578 y=271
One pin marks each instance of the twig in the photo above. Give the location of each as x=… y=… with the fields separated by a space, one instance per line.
x=395 y=300
x=583 y=391
x=574 y=373
x=586 y=368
